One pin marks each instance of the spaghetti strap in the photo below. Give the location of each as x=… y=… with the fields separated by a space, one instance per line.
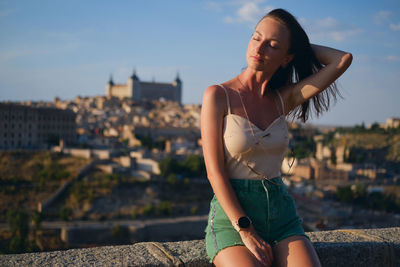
x=227 y=99
x=283 y=109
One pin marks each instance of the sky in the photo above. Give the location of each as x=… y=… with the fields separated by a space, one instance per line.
x=70 y=48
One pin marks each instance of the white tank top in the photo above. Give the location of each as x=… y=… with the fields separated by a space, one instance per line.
x=249 y=157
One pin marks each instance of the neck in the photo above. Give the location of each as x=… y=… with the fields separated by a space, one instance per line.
x=255 y=81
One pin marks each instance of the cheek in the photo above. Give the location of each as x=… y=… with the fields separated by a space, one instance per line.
x=249 y=47
x=279 y=57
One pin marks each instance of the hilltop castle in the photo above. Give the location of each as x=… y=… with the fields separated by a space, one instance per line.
x=138 y=90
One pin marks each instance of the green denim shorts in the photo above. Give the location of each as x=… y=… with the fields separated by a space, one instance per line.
x=270 y=207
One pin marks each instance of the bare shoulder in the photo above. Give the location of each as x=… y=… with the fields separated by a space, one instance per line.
x=214 y=97
x=214 y=91
x=218 y=90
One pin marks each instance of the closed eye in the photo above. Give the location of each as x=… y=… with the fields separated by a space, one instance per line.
x=274 y=46
x=255 y=36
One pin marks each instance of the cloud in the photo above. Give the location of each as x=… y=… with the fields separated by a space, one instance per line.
x=329 y=29
x=215 y=6
x=340 y=36
x=219 y=6
x=7 y=55
x=229 y=19
x=382 y=16
x=392 y=58
x=327 y=23
x=36 y=50
x=248 y=12
x=395 y=27
x=45 y=44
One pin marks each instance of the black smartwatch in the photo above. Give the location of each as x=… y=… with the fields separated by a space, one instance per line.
x=242 y=223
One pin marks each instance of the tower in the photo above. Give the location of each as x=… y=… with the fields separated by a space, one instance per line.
x=178 y=88
x=133 y=86
x=109 y=87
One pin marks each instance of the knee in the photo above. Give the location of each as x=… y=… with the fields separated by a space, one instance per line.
x=236 y=256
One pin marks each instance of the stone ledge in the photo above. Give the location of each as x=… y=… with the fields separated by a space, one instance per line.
x=350 y=247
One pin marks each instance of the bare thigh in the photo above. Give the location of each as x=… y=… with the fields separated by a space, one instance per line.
x=295 y=251
x=235 y=256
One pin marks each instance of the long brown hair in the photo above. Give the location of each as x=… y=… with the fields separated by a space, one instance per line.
x=304 y=64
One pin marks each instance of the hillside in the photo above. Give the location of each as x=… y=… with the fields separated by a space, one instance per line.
x=27 y=178
x=382 y=147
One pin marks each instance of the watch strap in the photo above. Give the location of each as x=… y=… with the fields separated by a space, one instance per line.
x=235 y=224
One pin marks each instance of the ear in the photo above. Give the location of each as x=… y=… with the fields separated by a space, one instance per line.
x=287 y=60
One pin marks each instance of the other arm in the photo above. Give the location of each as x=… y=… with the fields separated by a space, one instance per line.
x=336 y=63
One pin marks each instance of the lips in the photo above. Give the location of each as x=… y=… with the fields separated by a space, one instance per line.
x=257 y=58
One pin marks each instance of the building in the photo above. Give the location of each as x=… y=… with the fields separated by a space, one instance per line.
x=139 y=90
x=24 y=127
x=392 y=122
x=313 y=169
x=323 y=172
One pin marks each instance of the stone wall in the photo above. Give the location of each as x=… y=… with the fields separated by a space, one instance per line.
x=363 y=247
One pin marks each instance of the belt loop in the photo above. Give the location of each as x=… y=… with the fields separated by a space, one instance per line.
x=247 y=185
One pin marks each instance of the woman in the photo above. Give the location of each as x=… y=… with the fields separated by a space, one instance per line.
x=253 y=219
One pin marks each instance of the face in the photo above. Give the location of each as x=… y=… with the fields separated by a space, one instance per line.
x=268 y=46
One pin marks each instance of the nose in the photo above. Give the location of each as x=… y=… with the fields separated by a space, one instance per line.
x=258 y=48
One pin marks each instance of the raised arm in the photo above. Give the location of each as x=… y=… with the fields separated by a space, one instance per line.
x=336 y=62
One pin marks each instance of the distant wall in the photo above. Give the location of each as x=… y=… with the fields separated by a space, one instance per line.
x=78 y=152
x=363 y=247
x=163 y=229
x=87 y=153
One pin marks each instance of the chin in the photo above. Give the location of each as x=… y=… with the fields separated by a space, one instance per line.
x=255 y=67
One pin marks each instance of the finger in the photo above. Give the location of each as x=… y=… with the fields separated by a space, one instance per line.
x=269 y=251
x=266 y=261
x=262 y=248
x=260 y=256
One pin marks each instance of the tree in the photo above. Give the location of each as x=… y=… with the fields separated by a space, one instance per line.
x=333 y=155
x=18 y=221
x=172 y=179
x=145 y=140
x=193 y=165
x=375 y=127
x=164 y=208
x=36 y=219
x=345 y=194
x=168 y=165
x=65 y=213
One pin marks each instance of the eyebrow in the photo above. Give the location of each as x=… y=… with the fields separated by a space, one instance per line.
x=262 y=35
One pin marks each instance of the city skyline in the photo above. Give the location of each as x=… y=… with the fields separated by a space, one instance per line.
x=66 y=49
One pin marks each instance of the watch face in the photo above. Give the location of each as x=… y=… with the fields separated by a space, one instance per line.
x=244 y=222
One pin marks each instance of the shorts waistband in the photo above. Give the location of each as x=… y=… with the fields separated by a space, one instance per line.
x=252 y=185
